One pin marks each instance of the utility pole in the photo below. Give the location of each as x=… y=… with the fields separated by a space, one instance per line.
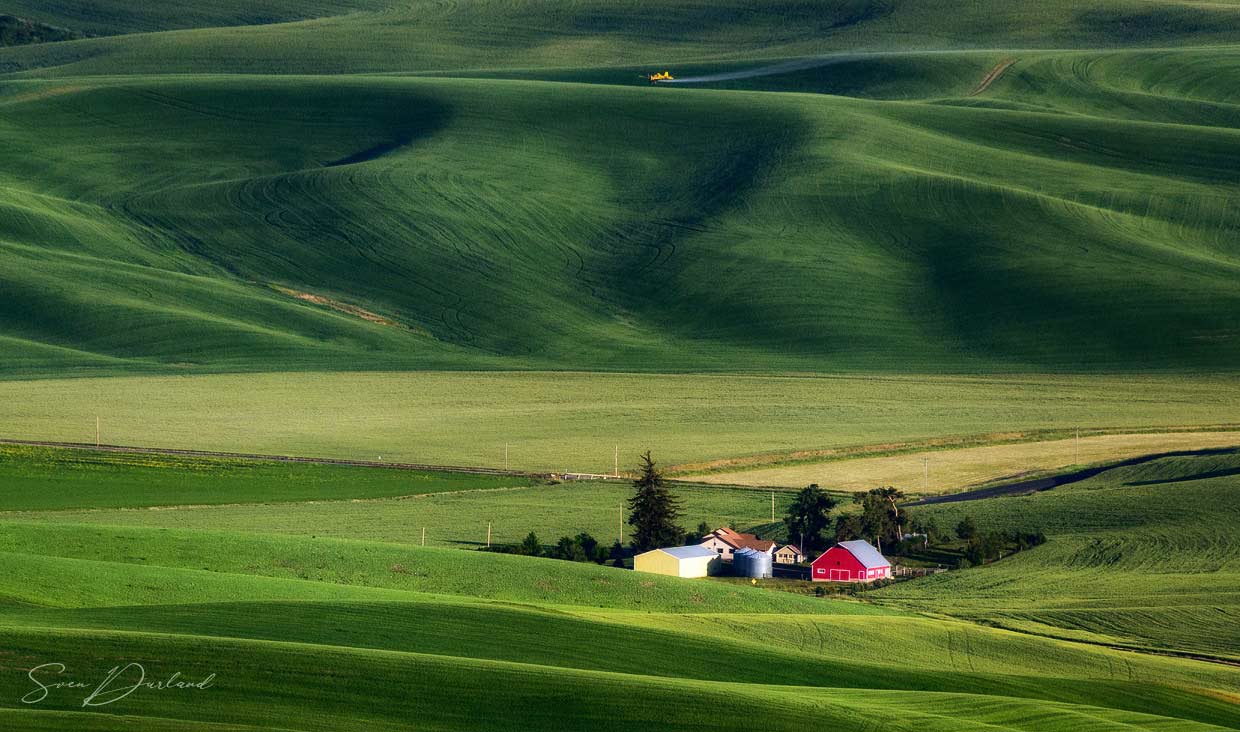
x=925 y=475
x=96 y=430
x=505 y=456
x=423 y=536
x=616 y=463
x=772 y=506
x=1077 y=448
x=621 y=524
x=488 y=535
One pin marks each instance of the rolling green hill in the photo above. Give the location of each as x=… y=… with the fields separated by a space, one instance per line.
x=181 y=220
x=425 y=35
x=303 y=631
x=943 y=200
x=432 y=231
x=80 y=588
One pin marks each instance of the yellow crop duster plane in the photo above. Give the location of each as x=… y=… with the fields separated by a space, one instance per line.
x=660 y=76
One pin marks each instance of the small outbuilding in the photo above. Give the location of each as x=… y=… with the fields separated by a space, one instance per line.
x=850 y=561
x=789 y=554
x=678 y=561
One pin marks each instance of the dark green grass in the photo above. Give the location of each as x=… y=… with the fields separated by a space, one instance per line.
x=33 y=478
x=474 y=34
x=648 y=231
x=108 y=17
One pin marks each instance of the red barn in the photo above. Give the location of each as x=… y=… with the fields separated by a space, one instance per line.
x=850 y=561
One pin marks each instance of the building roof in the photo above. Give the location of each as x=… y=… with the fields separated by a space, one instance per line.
x=688 y=552
x=737 y=540
x=790 y=547
x=865 y=553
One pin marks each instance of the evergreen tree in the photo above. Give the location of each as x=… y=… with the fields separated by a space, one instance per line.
x=808 y=517
x=703 y=530
x=531 y=546
x=653 y=510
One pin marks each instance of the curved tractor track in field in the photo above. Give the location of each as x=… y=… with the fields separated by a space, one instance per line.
x=992 y=76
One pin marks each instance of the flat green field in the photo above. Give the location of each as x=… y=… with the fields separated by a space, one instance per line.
x=575 y=421
x=33 y=478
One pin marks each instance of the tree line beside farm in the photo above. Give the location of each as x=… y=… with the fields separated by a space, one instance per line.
x=655 y=513
x=878 y=518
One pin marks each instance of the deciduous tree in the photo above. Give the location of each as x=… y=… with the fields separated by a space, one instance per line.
x=809 y=516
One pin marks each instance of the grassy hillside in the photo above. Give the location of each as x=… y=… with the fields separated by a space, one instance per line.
x=471 y=233
x=565 y=642
x=109 y=17
x=322 y=620
x=187 y=223
x=1141 y=556
x=485 y=34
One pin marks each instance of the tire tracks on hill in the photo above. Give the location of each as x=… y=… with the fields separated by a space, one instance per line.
x=992 y=76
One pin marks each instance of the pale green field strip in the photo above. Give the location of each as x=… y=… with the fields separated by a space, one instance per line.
x=456 y=519
x=575 y=421
x=951 y=470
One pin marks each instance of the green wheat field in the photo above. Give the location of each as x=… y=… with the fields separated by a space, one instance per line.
x=472 y=233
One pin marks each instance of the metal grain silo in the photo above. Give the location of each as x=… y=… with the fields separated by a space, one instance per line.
x=761 y=565
x=741 y=562
x=751 y=563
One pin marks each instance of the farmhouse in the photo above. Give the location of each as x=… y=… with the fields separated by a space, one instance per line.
x=678 y=561
x=850 y=561
x=725 y=542
x=789 y=554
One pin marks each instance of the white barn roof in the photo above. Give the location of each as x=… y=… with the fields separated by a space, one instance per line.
x=866 y=554
x=689 y=552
